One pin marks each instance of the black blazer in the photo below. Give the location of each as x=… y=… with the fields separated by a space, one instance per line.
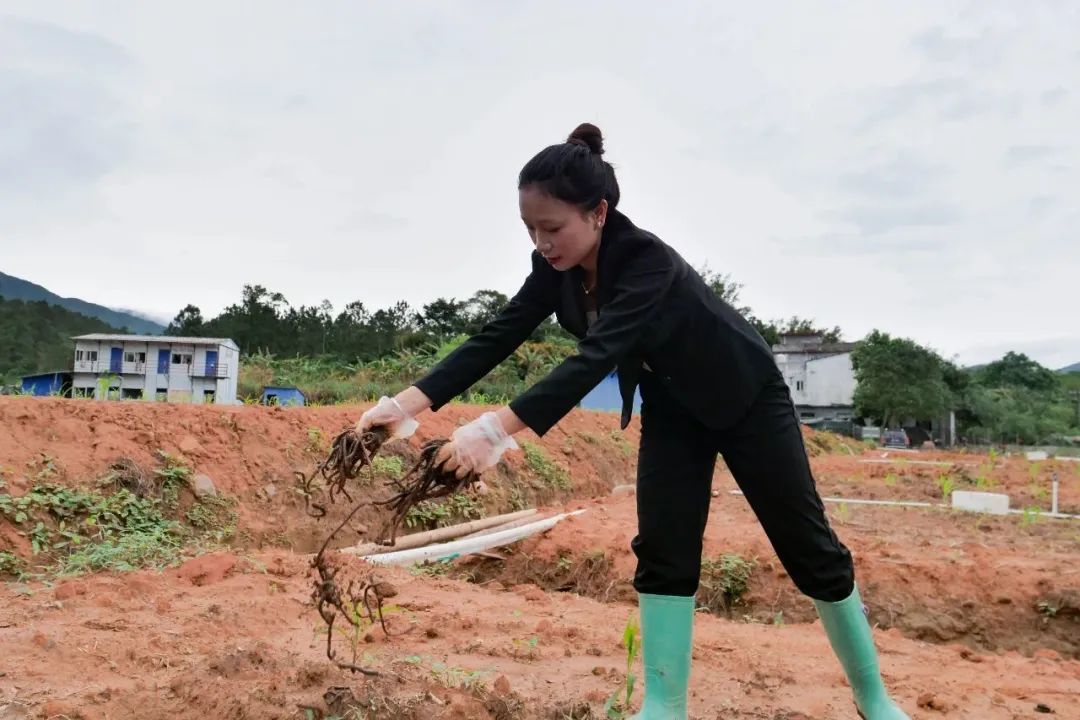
x=653 y=309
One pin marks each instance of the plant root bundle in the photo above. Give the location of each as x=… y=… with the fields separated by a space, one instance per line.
x=360 y=603
x=349 y=454
x=427 y=480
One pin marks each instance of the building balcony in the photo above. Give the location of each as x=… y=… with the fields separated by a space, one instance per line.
x=99 y=367
x=209 y=370
x=206 y=370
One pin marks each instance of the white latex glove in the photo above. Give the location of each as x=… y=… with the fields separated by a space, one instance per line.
x=388 y=413
x=477 y=446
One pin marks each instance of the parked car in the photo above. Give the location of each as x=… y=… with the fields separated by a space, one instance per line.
x=896 y=438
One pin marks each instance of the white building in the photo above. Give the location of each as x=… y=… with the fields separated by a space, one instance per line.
x=819 y=374
x=155 y=367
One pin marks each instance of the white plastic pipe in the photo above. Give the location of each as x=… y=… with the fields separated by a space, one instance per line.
x=905 y=461
x=912 y=503
x=499 y=528
x=859 y=501
x=1054 y=496
x=451 y=532
x=466 y=546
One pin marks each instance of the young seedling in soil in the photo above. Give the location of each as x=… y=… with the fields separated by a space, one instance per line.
x=616 y=708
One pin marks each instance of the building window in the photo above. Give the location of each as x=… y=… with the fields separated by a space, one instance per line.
x=84 y=392
x=135 y=357
x=208 y=396
x=798 y=385
x=86 y=356
x=181 y=358
x=162 y=395
x=131 y=394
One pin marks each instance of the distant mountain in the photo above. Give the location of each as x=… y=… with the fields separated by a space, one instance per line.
x=13 y=288
x=1074 y=368
x=36 y=337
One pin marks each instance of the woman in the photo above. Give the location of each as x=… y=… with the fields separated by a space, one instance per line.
x=709 y=385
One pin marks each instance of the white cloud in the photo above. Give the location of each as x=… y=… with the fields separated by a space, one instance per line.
x=905 y=166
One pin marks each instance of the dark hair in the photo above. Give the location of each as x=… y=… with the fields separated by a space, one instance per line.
x=574 y=171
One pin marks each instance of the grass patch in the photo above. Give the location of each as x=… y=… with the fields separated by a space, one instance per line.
x=621 y=443
x=389 y=465
x=11 y=565
x=724 y=582
x=215 y=516
x=123 y=523
x=543 y=467
x=430 y=514
x=157 y=548
x=173 y=476
x=83 y=529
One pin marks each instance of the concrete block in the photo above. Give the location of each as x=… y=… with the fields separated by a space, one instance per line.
x=984 y=502
x=1035 y=455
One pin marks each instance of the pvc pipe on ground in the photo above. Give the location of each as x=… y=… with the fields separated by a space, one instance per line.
x=859 y=501
x=1054 y=496
x=911 y=503
x=1040 y=513
x=440 y=534
x=499 y=528
x=905 y=461
x=463 y=546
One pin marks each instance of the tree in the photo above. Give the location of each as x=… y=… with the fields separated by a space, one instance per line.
x=724 y=287
x=444 y=317
x=187 y=323
x=482 y=308
x=728 y=290
x=36 y=336
x=1018 y=370
x=796 y=325
x=1017 y=414
x=897 y=378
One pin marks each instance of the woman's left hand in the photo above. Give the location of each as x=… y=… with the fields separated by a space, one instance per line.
x=476 y=446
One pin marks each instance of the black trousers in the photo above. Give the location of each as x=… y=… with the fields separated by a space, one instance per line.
x=768 y=460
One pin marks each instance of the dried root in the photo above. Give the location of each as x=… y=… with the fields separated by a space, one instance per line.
x=427 y=480
x=360 y=601
x=349 y=454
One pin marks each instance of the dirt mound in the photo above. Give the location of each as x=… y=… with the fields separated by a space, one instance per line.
x=247 y=457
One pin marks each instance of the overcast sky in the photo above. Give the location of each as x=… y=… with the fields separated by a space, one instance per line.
x=913 y=167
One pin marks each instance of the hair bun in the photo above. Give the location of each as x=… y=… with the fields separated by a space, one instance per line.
x=588 y=135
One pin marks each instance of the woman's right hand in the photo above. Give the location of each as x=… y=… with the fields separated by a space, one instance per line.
x=395 y=414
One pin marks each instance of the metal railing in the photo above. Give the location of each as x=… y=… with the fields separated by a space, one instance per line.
x=203 y=370
x=214 y=370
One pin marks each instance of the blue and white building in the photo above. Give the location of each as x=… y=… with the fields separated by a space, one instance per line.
x=156 y=367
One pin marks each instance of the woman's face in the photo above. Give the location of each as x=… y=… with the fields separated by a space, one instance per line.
x=565 y=235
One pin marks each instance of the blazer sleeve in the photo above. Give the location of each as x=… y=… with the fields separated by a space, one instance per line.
x=477 y=356
x=637 y=296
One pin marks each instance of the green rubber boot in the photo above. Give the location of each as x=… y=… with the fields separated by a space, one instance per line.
x=849 y=634
x=667 y=623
